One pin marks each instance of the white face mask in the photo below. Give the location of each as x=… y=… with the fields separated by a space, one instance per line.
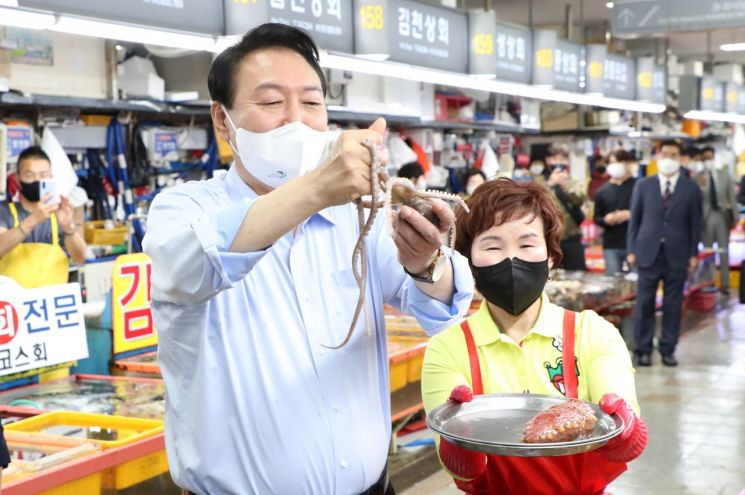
x=536 y=169
x=421 y=183
x=616 y=170
x=698 y=167
x=668 y=166
x=280 y=155
x=709 y=164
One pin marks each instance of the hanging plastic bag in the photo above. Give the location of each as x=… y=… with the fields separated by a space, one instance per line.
x=490 y=164
x=64 y=175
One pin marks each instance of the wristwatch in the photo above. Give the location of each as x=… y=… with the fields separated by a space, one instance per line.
x=434 y=271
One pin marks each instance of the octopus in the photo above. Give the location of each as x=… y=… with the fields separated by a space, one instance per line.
x=398 y=191
x=561 y=423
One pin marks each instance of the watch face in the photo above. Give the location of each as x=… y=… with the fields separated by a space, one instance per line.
x=439 y=268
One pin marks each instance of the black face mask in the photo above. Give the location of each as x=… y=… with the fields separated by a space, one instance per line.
x=31 y=190
x=512 y=284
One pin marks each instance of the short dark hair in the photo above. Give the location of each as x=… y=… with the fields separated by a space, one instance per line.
x=624 y=156
x=690 y=151
x=411 y=170
x=31 y=153
x=221 y=78
x=502 y=200
x=471 y=172
x=672 y=142
x=706 y=149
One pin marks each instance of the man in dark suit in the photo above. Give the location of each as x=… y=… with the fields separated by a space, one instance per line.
x=663 y=237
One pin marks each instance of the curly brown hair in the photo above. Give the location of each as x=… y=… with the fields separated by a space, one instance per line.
x=502 y=200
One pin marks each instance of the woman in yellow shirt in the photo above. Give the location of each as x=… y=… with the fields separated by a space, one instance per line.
x=518 y=341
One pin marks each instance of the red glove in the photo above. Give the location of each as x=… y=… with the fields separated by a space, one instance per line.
x=631 y=442
x=463 y=463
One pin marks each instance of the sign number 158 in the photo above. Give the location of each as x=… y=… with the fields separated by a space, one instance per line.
x=372 y=17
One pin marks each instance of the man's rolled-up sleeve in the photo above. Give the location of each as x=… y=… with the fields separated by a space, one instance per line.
x=188 y=243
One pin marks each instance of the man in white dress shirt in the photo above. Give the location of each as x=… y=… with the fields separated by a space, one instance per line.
x=253 y=283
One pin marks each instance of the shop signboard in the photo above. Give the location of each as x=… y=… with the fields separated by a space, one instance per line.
x=19 y=137
x=711 y=96
x=412 y=33
x=328 y=21
x=544 y=43
x=514 y=53
x=657 y=16
x=131 y=317
x=40 y=327
x=595 y=69
x=619 y=77
x=482 y=51
x=200 y=16
x=650 y=81
x=569 y=66
x=732 y=97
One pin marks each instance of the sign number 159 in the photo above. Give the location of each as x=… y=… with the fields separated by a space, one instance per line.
x=372 y=17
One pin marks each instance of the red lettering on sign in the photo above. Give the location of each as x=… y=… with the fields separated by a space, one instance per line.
x=132 y=331
x=9 y=323
x=134 y=272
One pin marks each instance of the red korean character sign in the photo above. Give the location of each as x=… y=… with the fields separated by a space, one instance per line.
x=132 y=319
x=40 y=327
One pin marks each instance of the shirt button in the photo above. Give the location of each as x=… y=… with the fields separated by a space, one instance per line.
x=343 y=463
x=336 y=407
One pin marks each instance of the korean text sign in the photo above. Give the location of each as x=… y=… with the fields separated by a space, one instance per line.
x=328 y=21
x=132 y=320
x=40 y=327
x=412 y=33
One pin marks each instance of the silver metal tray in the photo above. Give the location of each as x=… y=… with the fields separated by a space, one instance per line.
x=494 y=423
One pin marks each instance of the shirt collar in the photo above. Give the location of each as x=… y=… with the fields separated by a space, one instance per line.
x=485 y=331
x=239 y=190
x=673 y=181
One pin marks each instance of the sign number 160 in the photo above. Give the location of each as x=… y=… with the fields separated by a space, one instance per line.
x=372 y=17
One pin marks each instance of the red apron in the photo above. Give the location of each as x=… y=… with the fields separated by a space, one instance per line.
x=587 y=473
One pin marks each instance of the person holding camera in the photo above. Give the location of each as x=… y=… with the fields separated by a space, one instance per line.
x=36 y=230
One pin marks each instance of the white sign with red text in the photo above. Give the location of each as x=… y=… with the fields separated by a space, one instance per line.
x=40 y=327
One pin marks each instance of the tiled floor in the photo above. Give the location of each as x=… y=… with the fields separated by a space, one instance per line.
x=695 y=414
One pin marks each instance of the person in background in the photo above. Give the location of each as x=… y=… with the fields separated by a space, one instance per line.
x=612 y=209
x=741 y=192
x=34 y=230
x=516 y=343
x=538 y=170
x=252 y=285
x=690 y=161
x=664 y=232
x=415 y=173
x=570 y=199
x=720 y=210
x=599 y=178
x=472 y=179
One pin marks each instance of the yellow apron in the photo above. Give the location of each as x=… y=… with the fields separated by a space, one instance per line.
x=36 y=264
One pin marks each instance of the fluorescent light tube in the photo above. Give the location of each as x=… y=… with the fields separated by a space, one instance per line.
x=732 y=47
x=133 y=34
x=25 y=19
x=715 y=116
x=433 y=76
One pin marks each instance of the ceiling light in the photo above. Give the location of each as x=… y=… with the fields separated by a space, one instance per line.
x=610 y=5
x=25 y=19
x=433 y=76
x=732 y=47
x=133 y=34
x=715 y=116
